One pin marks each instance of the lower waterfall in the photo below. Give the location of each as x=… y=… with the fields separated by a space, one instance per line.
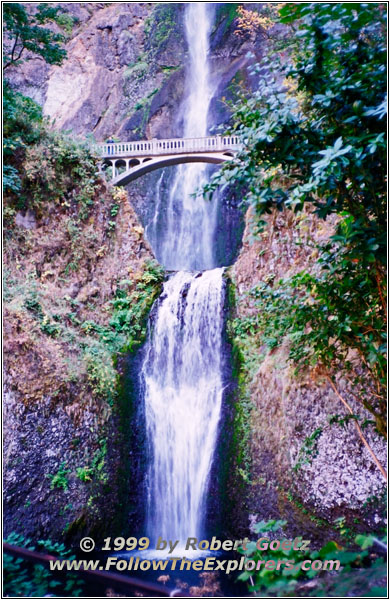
x=182 y=379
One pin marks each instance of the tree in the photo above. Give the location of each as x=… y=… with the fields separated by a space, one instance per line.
x=250 y=22
x=22 y=116
x=313 y=133
x=25 y=32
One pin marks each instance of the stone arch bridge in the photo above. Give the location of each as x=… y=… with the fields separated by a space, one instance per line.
x=129 y=160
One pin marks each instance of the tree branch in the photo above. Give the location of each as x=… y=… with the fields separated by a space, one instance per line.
x=13 y=59
x=359 y=430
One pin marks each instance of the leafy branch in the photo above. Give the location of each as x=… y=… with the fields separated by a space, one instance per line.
x=24 y=31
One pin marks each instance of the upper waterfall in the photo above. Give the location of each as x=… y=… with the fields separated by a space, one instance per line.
x=198 y=23
x=187 y=237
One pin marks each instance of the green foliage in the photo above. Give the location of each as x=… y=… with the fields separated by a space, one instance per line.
x=99 y=461
x=95 y=346
x=242 y=331
x=167 y=69
x=46 y=323
x=130 y=311
x=49 y=172
x=242 y=354
x=137 y=69
x=101 y=371
x=126 y=330
x=59 y=479
x=42 y=166
x=314 y=134
x=343 y=420
x=22 y=126
x=66 y=22
x=84 y=474
x=308 y=450
x=242 y=435
x=50 y=328
x=22 y=579
x=38 y=164
x=127 y=326
x=114 y=210
x=61 y=167
x=144 y=104
x=11 y=181
x=24 y=31
x=324 y=316
x=361 y=569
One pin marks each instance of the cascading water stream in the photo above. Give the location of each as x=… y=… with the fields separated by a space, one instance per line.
x=183 y=392
x=182 y=368
x=188 y=240
x=151 y=231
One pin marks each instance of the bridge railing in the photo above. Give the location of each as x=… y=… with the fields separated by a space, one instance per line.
x=215 y=143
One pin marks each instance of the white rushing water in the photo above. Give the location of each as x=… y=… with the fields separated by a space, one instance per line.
x=182 y=368
x=183 y=391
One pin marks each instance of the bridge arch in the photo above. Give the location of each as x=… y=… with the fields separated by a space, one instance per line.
x=121 y=166
x=159 y=163
x=134 y=162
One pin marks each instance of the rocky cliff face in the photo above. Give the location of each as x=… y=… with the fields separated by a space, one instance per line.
x=125 y=70
x=123 y=76
x=85 y=94
x=63 y=473
x=299 y=459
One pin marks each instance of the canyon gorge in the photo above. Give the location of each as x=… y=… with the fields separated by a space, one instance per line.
x=138 y=401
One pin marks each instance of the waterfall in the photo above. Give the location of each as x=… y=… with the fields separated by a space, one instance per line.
x=151 y=230
x=181 y=373
x=188 y=240
x=183 y=392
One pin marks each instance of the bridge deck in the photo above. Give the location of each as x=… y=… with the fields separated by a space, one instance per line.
x=215 y=143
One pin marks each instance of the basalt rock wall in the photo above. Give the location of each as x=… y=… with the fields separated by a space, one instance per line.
x=305 y=467
x=67 y=444
x=124 y=71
